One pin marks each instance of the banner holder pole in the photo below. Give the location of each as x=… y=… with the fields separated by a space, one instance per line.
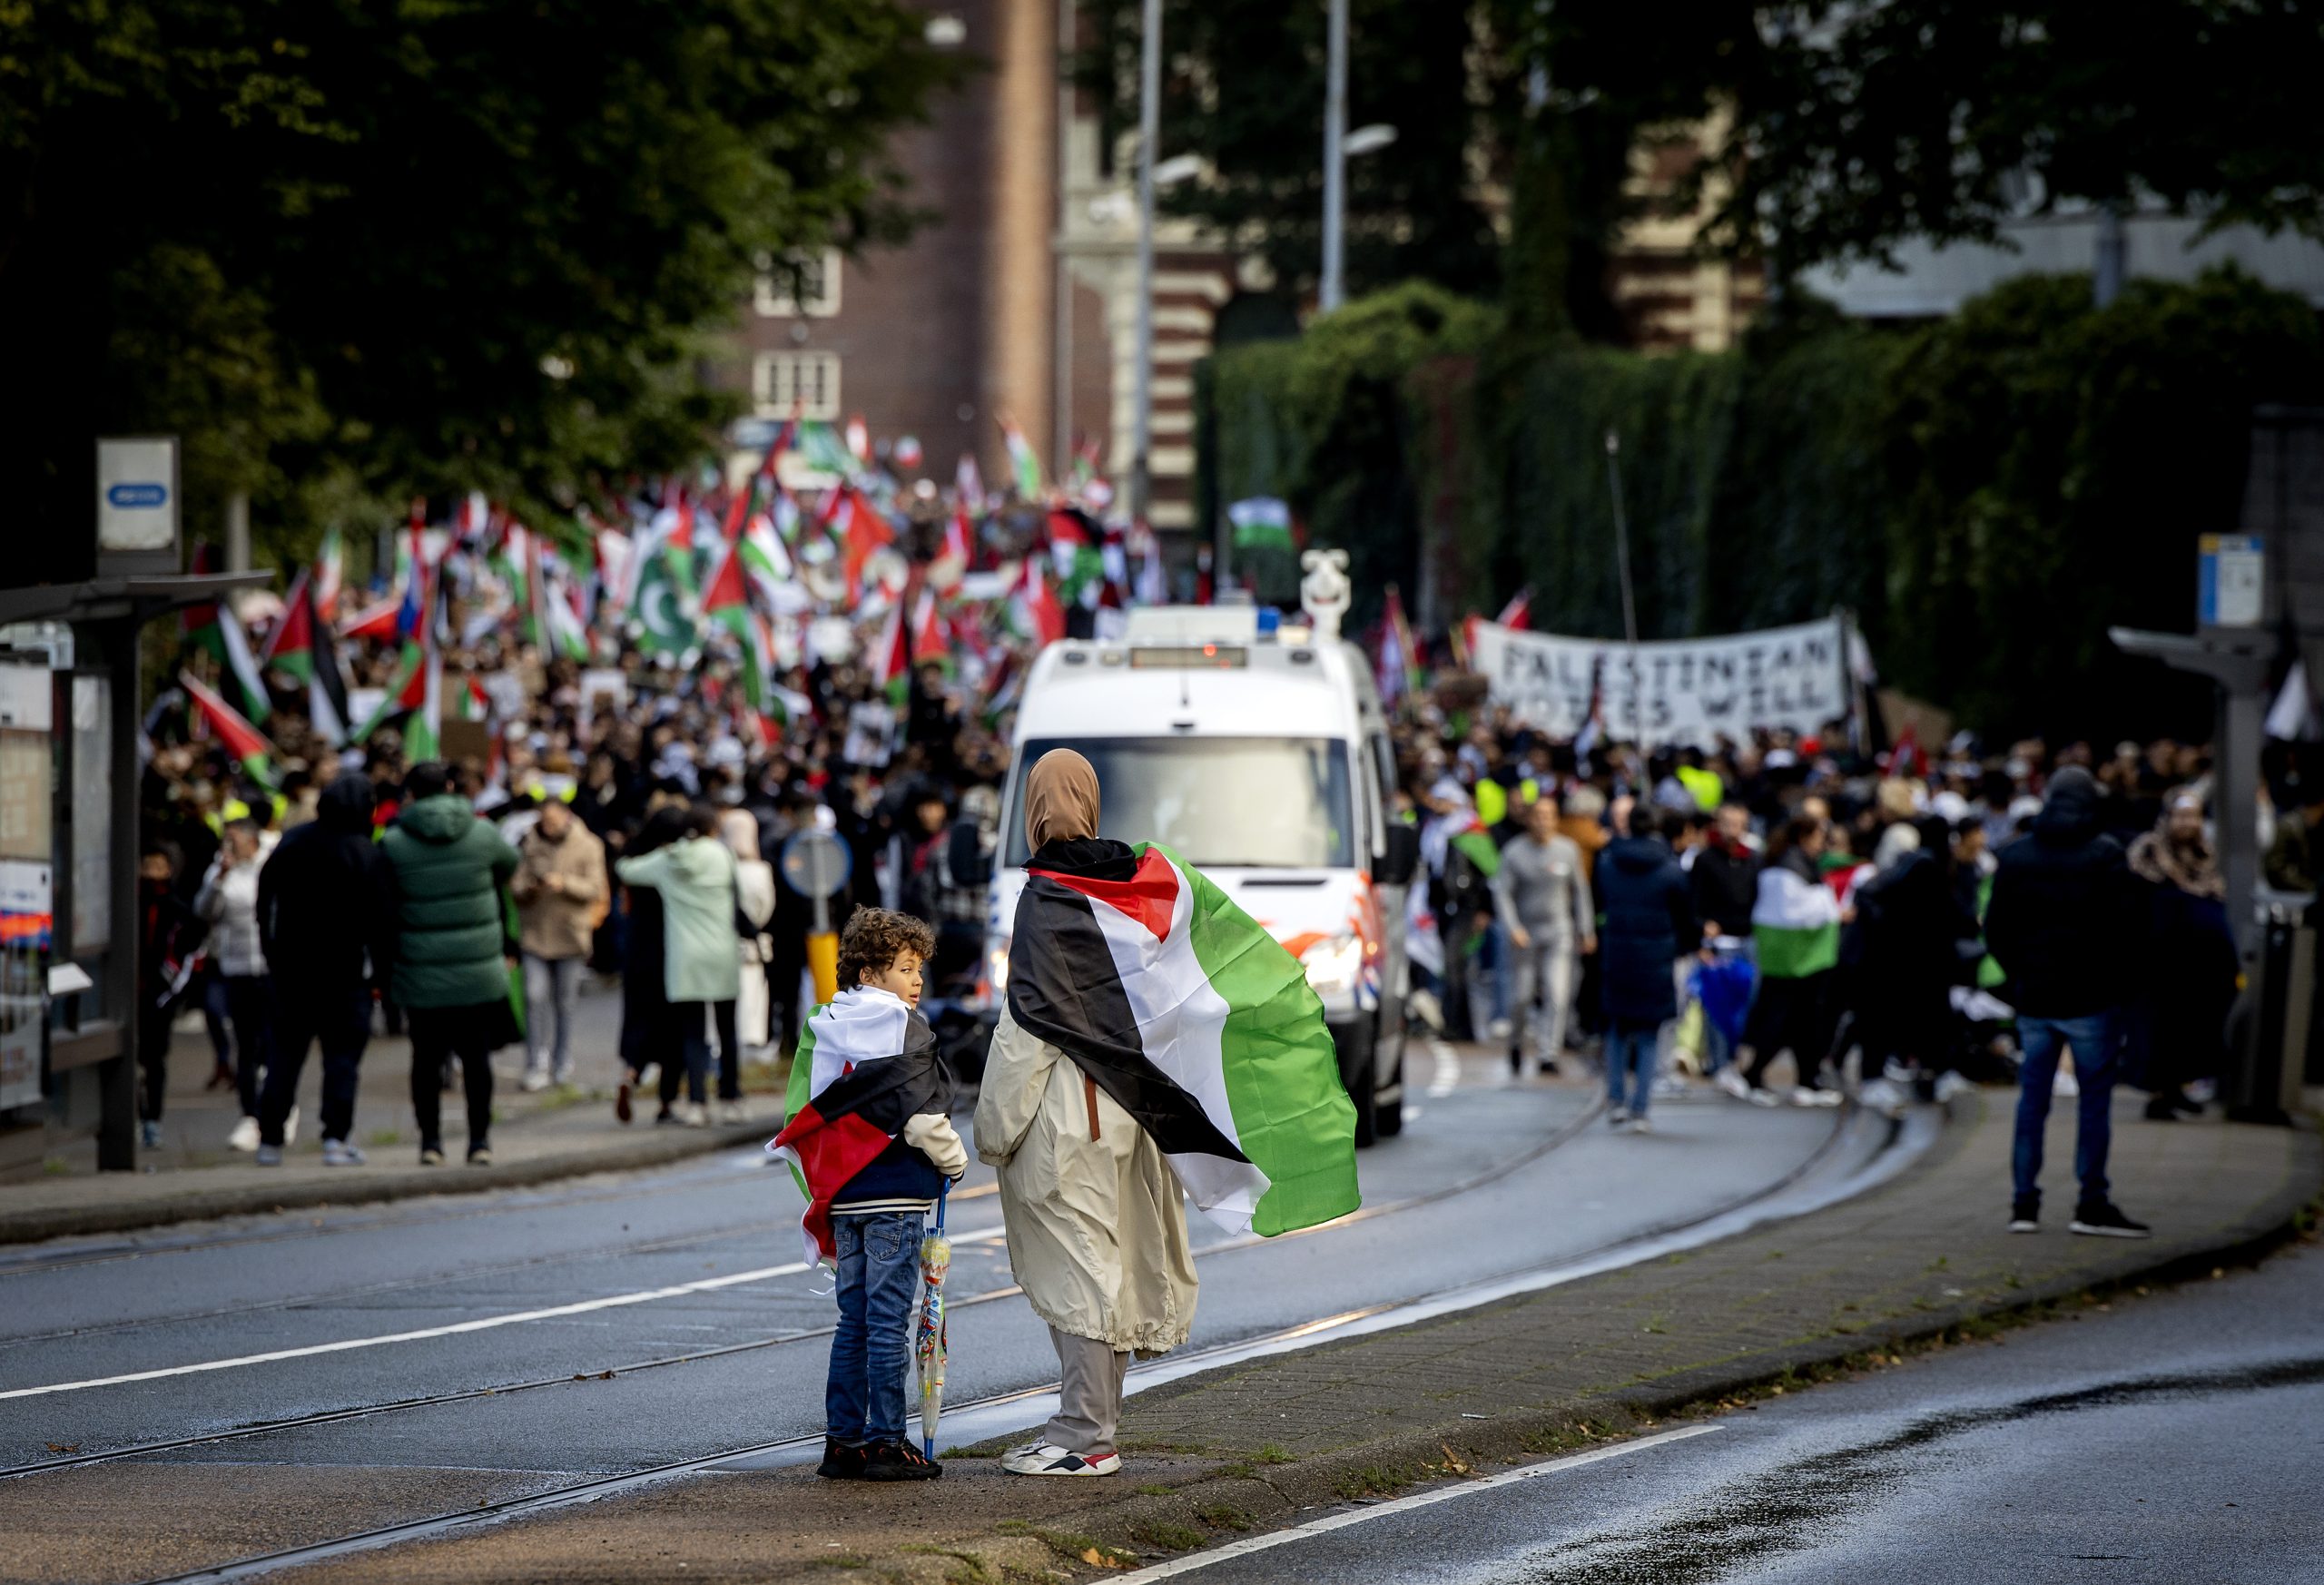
x=1629 y=602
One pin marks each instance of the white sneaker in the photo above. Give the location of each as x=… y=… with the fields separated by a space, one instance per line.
x=339 y=1153
x=1637 y=1126
x=245 y=1136
x=1498 y=1030
x=1760 y=1095
x=1950 y=1084
x=695 y=1114
x=535 y=1080
x=1618 y=1118
x=290 y=1127
x=564 y=1074
x=731 y=1112
x=1044 y=1457
x=1728 y=1079
x=2065 y=1085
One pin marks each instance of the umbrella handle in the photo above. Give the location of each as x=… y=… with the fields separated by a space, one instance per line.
x=943 y=1189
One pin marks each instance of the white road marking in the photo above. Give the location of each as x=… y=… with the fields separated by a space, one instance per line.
x=1448 y=1068
x=483 y=1323
x=1261 y=1543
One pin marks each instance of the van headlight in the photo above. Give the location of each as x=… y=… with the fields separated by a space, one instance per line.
x=1333 y=964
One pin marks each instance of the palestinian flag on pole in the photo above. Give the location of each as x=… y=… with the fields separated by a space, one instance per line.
x=1024 y=464
x=866 y=1064
x=330 y=569
x=1178 y=1005
x=219 y=632
x=889 y=662
x=237 y=736
x=301 y=646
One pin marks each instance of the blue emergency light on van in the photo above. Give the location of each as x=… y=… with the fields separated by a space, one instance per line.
x=130 y=497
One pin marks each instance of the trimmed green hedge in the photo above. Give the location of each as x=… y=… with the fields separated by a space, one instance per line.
x=1989 y=492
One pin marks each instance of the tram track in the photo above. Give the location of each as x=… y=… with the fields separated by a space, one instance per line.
x=1645 y=1245
x=1489 y=1174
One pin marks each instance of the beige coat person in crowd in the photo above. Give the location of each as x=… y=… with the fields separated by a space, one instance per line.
x=1096 y=1219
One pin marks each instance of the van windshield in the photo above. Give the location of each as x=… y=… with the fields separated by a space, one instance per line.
x=1217 y=802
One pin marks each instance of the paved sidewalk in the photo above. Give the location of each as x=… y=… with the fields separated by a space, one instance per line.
x=1248 y=1447
x=561 y=1132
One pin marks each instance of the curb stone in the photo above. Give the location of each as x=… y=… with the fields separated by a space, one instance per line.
x=372 y=1185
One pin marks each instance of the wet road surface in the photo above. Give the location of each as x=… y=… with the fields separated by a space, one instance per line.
x=464 y=1345
x=2171 y=1439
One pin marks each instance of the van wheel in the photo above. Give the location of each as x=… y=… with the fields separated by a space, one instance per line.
x=1359 y=1062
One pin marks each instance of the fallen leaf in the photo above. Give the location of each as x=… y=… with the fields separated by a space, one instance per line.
x=64 y=1447
x=1455 y=1463
x=1098 y=1560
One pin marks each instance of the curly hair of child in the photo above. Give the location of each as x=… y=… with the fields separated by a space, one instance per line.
x=875 y=938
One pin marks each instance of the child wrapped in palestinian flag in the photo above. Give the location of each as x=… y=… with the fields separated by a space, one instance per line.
x=871 y=1141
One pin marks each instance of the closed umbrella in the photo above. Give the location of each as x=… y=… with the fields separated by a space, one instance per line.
x=929 y=1346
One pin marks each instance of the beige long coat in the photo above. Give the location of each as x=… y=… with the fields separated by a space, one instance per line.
x=1096 y=1221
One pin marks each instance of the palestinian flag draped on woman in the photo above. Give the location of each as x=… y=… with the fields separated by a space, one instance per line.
x=866 y=1064
x=1175 y=1002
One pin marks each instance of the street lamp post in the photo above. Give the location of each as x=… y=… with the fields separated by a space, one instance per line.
x=1329 y=294
x=1149 y=134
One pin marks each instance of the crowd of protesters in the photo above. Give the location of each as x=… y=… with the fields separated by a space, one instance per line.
x=1937 y=917
x=629 y=833
x=1678 y=916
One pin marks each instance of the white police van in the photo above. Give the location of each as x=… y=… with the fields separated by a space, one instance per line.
x=1262 y=758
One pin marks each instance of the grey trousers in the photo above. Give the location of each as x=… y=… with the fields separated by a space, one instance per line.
x=1090 y=1405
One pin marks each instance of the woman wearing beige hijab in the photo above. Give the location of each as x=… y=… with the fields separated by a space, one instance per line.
x=745 y=1029
x=1095 y=1220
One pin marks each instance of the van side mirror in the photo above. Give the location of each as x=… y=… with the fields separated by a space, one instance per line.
x=1396 y=865
x=970 y=866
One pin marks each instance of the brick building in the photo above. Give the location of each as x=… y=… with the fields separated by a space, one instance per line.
x=1018 y=300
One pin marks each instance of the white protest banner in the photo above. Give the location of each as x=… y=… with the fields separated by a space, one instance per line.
x=1677 y=691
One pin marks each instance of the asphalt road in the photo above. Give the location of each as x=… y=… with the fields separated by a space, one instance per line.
x=491 y=1319
x=2168 y=1439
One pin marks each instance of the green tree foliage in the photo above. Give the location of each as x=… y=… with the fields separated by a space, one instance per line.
x=1990 y=493
x=1857 y=127
x=422 y=246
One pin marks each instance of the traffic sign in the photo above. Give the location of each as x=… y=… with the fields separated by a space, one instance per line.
x=2232 y=580
x=137 y=493
x=816 y=864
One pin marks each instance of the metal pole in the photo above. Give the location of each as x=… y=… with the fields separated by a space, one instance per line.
x=1329 y=295
x=1629 y=602
x=1149 y=137
x=238 y=531
x=2113 y=255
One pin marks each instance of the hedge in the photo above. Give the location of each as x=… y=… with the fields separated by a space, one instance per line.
x=1988 y=492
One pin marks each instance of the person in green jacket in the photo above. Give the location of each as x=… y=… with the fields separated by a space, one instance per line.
x=451 y=971
x=694 y=877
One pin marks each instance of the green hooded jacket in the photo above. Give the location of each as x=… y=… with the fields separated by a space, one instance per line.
x=450 y=868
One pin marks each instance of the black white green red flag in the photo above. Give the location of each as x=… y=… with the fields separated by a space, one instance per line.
x=1185 y=1012
x=866 y=1064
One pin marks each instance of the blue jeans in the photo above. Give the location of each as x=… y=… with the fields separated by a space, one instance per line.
x=879 y=1279
x=1629 y=1062
x=2042 y=1040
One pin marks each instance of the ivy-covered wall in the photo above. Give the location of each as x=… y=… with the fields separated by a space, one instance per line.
x=1989 y=492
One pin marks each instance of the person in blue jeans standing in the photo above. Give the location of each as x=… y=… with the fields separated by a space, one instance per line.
x=1650 y=925
x=2065 y=916
x=872 y=1071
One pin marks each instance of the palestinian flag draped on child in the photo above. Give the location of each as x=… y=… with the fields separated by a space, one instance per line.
x=1177 y=1004
x=865 y=1066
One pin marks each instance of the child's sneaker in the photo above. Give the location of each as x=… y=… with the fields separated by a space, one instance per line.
x=899 y=1461
x=842 y=1461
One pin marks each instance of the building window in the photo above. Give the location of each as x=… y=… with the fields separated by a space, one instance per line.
x=808 y=380
x=816 y=285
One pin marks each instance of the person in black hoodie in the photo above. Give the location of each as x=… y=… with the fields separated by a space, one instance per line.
x=1650 y=925
x=169 y=934
x=1724 y=880
x=326 y=917
x=2062 y=900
